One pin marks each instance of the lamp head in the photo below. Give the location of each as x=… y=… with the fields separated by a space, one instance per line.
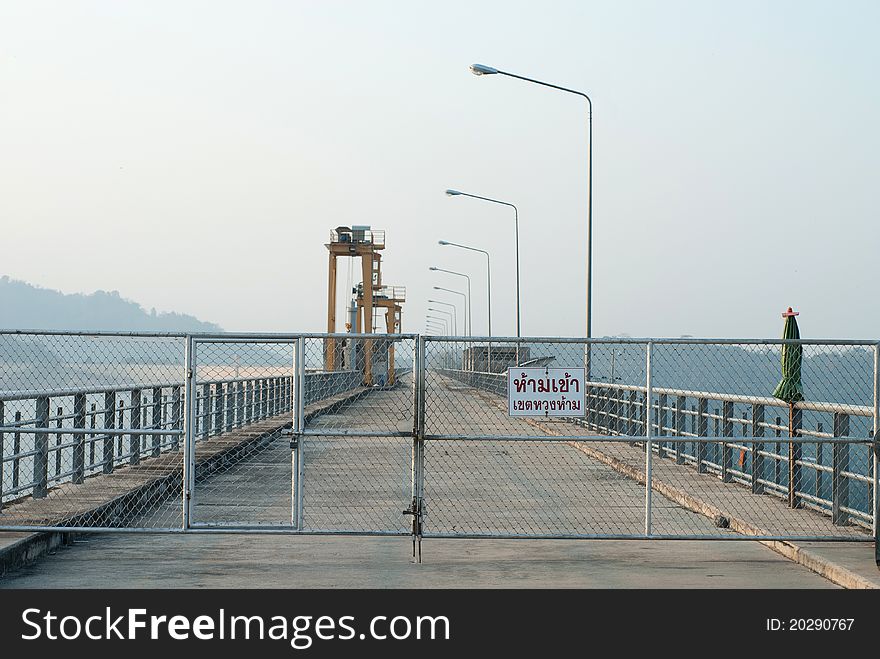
x=482 y=70
x=442 y=242
x=452 y=193
x=432 y=268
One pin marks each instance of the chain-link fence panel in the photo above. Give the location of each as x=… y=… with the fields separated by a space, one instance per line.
x=729 y=451
x=375 y=372
x=357 y=433
x=91 y=430
x=467 y=382
x=527 y=488
x=243 y=395
x=356 y=484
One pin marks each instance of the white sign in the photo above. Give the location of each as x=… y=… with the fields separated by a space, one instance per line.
x=545 y=391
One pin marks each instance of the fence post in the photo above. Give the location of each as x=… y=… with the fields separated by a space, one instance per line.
x=229 y=407
x=206 y=410
x=702 y=433
x=134 y=441
x=794 y=457
x=189 y=425
x=219 y=397
x=120 y=425
x=239 y=404
x=613 y=411
x=632 y=415
x=298 y=428
x=839 y=464
x=79 y=441
x=2 y=446
x=16 y=449
x=757 y=448
x=876 y=459
x=777 y=463
x=93 y=422
x=726 y=431
x=59 y=439
x=662 y=404
x=176 y=417
x=41 y=449
x=680 y=407
x=156 y=442
x=418 y=450
x=649 y=451
x=820 y=460
x=109 y=423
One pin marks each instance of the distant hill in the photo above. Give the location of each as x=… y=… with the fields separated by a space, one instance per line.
x=25 y=306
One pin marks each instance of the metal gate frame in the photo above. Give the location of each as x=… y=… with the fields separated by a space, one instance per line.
x=647 y=438
x=300 y=432
x=298 y=436
x=190 y=493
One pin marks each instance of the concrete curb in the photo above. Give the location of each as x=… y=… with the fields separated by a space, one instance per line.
x=30 y=547
x=823 y=567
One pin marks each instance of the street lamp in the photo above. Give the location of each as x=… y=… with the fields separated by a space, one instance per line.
x=448 y=315
x=437 y=320
x=463 y=300
x=469 y=308
x=482 y=69
x=488 y=294
x=454 y=313
x=458 y=193
x=488 y=276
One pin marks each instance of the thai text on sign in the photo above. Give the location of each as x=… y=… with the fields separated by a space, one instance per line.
x=545 y=391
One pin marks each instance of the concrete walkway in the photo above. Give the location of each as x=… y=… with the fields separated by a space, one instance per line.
x=269 y=561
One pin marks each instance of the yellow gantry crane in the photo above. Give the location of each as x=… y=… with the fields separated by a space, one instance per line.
x=364 y=243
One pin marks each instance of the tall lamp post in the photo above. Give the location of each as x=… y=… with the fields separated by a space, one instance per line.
x=437 y=321
x=464 y=302
x=482 y=69
x=454 y=313
x=488 y=293
x=488 y=276
x=460 y=274
x=448 y=315
x=458 y=193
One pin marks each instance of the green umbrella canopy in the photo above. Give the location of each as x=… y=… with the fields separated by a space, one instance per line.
x=790 y=388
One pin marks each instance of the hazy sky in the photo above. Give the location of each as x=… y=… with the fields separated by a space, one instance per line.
x=195 y=155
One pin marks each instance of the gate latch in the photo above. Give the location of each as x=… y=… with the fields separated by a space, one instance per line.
x=415 y=511
x=294 y=439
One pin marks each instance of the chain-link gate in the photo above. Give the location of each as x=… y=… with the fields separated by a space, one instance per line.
x=307 y=434
x=672 y=439
x=399 y=435
x=354 y=441
x=241 y=473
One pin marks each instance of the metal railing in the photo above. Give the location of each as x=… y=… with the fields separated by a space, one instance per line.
x=823 y=477
x=97 y=430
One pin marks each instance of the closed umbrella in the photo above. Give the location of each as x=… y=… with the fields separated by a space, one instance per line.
x=790 y=389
